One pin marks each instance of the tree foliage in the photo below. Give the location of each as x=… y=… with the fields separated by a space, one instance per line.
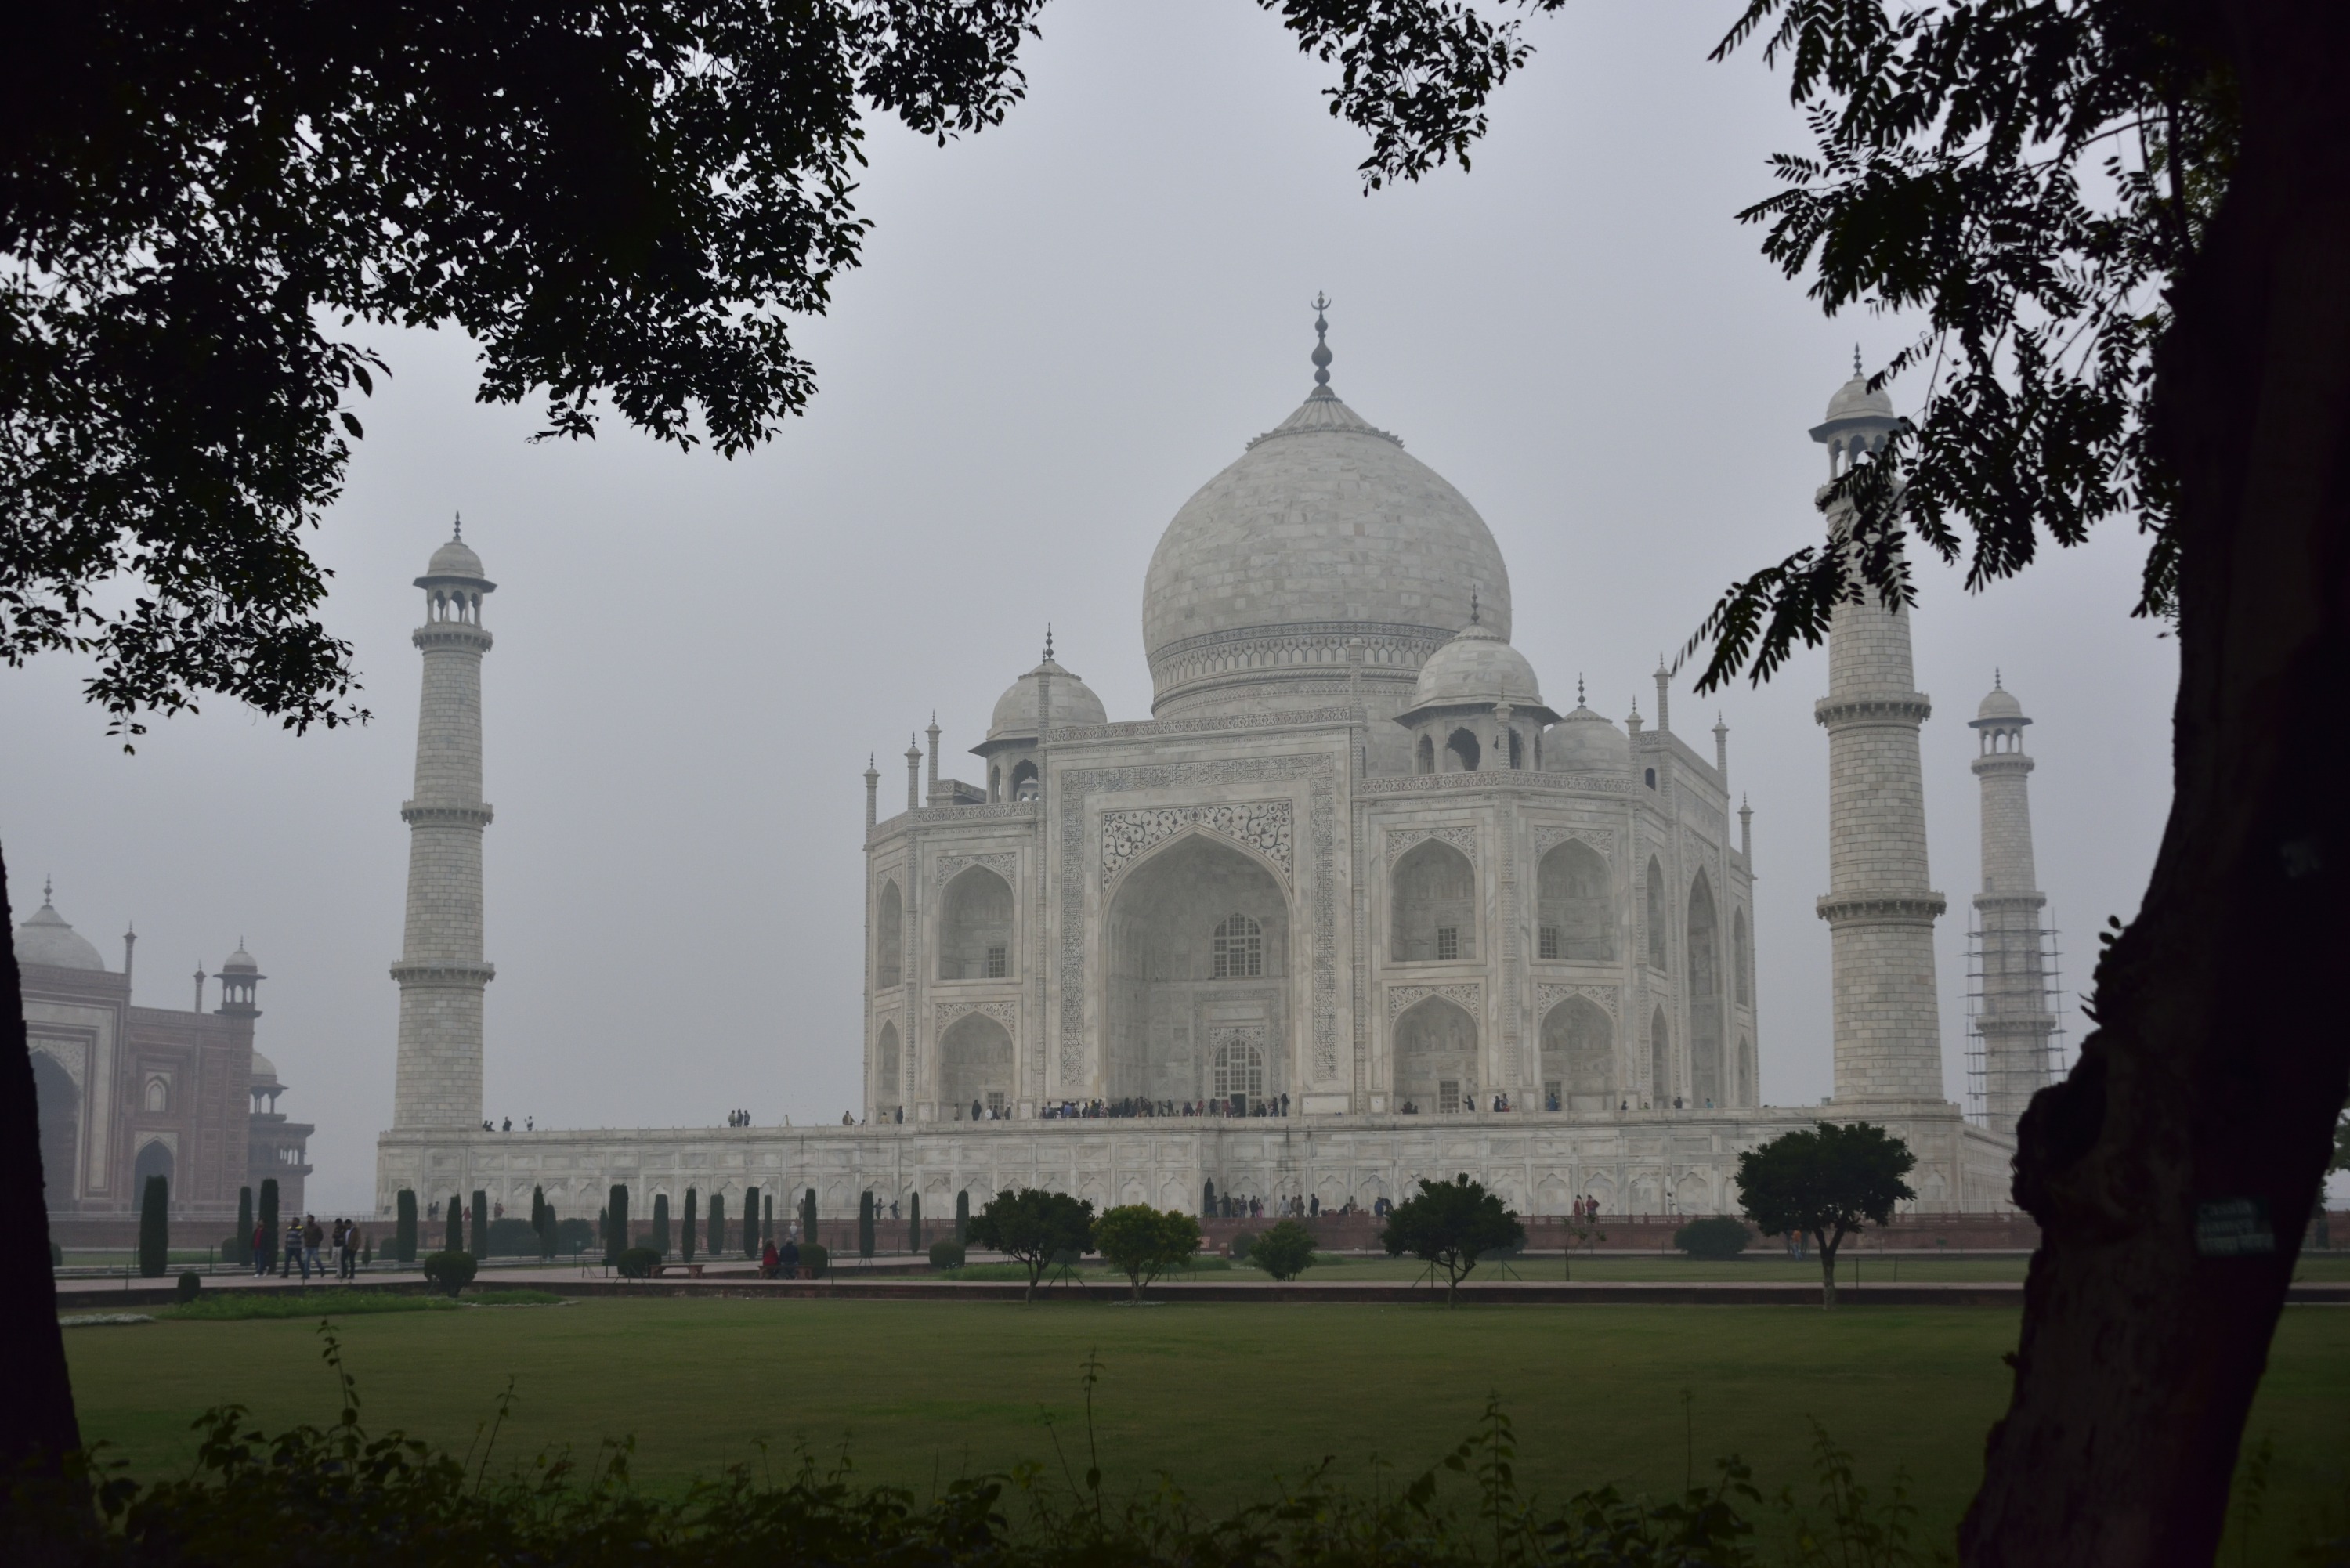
x=1032 y=1226
x=1285 y=1250
x=1451 y=1224
x=1143 y=1242
x=1825 y=1184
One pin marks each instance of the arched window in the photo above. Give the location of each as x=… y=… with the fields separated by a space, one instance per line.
x=1660 y=1060
x=975 y=927
x=1579 y=1054
x=1433 y=911
x=1426 y=754
x=1652 y=778
x=1436 y=1056
x=1741 y=959
x=1239 y=1070
x=159 y=1094
x=1023 y=780
x=1461 y=753
x=1575 y=906
x=1517 y=751
x=887 y=1062
x=1708 y=1081
x=1747 y=1093
x=975 y=1065
x=155 y=1159
x=1238 y=948
x=1657 y=914
x=994 y=782
x=888 y=938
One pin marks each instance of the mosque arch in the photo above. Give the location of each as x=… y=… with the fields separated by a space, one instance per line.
x=1578 y=1055
x=1708 y=1083
x=1195 y=957
x=887 y=1068
x=1749 y=1092
x=1436 y=1056
x=888 y=937
x=1425 y=755
x=1517 y=751
x=59 y=1102
x=975 y=927
x=158 y=1096
x=1742 y=958
x=1023 y=780
x=1575 y=904
x=975 y=1065
x=154 y=1159
x=1461 y=753
x=1656 y=949
x=1432 y=904
x=1660 y=1060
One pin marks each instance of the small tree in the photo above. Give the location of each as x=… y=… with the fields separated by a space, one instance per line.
x=1143 y=1242
x=1824 y=1185
x=685 y=1237
x=660 y=1223
x=452 y=1270
x=615 y=1226
x=154 y=1228
x=1284 y=1251
x=751 y=1223
x=1451 y=1224
x=481 y=1247
x=914 y=1223
x=403 y=1225
x=269 y=1220
x=1031 y=1226
x=717 y=1223
x=962 y=1217
x=865 y=1224
x=239 y=1245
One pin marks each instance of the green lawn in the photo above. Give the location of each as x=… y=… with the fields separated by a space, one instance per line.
x=1227 y=1399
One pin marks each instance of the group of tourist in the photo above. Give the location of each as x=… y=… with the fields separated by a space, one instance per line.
x=738 y=1118
x=780 y=1262
x=303 y=1240
x=1225 y=1106
x=528 y=1124
x=1586 y=1208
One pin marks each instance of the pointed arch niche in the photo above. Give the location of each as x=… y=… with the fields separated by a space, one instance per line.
x=1432 y=904
x=975 y=1065
x=1709 y=1084
x=1578 y=1055
x=1436 y=1055
x=1197 y=963
x=975 y=927
x=888 y=937
x=888 y=1070
x=1577 y=910
x=1660 y=1060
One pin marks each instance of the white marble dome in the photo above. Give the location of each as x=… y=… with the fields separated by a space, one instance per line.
x=454 y=559
x=46 y=939
x=1324 y=530
x=2000 y=705
x=1478 y=667
x=1586 y=743
x=1074 y=702
x=1855 y=400
x=264 y=1071
x=240 y=962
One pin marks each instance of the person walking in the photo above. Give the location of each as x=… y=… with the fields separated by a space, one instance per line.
x=260 y=1249
x=293 y=1259
x=314 y=1236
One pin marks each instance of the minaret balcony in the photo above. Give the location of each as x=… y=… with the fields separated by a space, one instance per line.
x=417 y=816
x=1909 y=707
x=1880 y=909
x=444 y=973
x=452 y=634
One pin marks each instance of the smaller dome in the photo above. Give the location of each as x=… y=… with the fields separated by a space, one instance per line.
x=46 y=939
x=2000 y=705
x=264 y=1071
x=1477 y=667
x=240 y=961
x=1074 y=702
x=454 y=559
x=1855 y=400
x=1586 y=743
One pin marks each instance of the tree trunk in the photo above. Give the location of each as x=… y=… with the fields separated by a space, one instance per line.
x=36 y=1420
x=2173 y=1172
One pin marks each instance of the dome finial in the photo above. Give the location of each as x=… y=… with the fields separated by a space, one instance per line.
x=1996 y=684
x=458 y=532
x=1578 y=690
x=1048 y=642
x=1321 y=343
x=1855 y=358
x=48 y=891
x=1473 y=603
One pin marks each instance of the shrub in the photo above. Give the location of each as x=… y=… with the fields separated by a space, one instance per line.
x=1243 y=1244
x=1716 y=1236
x=403 y=1233
x=573 y=1235
x=450 y=1272
x=155 y=1228
x=637 y=1263
x=512 y=1238
x=947 y=1253
x=1284 y=1251
x=189 y=1284
x=815 y=1260
x=1143 y=1242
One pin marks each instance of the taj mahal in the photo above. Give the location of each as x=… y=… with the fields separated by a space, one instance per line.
x=1359 y=902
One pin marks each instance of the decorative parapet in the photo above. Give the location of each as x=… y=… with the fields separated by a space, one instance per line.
x=1911 y=910
x=2010 y=903
x=417 y=816
x=1143 y=729
x=445 y=973
x=452 y=634
x=1910 y=708
x=1520 y=781
x=930 y=815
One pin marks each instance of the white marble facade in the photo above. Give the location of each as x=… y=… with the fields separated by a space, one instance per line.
x=1354 y=869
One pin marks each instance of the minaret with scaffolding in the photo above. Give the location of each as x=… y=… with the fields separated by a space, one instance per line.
x=2012 y=968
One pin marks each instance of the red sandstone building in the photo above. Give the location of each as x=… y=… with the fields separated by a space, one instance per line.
x=128 y=1092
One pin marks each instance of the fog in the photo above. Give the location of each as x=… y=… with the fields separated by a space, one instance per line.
x=1063 y=328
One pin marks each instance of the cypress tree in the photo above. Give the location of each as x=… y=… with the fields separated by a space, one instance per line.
x=767 y=1218
x=240 y=1246
x=155 y=1228
x=808 y=1219
x=541 y=1222
x=914 y=1222
x=403 y=1233
x=616 y=1229
x=717 y=1223
x=685 y=1242
x=963 y=1218
x=269 y=1220
x=751 y=1223
x=481 y=1247
x=864 y=1223
x=660 y=1223
x=453 y=1222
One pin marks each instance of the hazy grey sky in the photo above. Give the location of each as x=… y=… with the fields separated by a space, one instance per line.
x=1064 y=326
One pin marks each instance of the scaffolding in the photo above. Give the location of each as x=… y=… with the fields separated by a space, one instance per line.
x=2057 y=1054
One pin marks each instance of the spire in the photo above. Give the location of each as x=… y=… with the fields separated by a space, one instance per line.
x=1996 y=684
x=1322 y=347
x=1048 y=642
x=1578 y=688
x=48 y=891
x=1855 y=358
x=459 y=532
x=1473 y=603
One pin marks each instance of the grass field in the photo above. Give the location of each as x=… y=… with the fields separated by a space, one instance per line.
x=1226 y=1400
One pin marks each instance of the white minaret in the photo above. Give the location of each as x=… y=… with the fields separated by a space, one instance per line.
x=441 y=972
x=2014 y=1022
x=1879 y=907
